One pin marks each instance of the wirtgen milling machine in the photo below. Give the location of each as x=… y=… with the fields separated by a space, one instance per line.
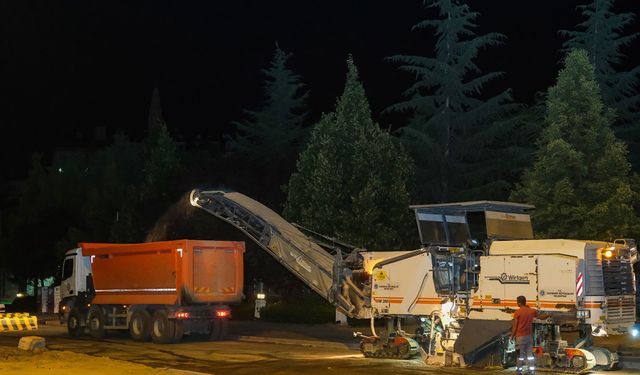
x=458 y=291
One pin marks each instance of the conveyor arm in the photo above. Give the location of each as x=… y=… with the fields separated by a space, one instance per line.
x=301 y=255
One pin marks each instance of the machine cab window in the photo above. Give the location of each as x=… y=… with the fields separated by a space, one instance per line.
x=453 y=224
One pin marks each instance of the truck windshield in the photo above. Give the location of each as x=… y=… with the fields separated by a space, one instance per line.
x=67 y=268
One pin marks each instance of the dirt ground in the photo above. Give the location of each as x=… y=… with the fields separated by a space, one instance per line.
x=14 y=361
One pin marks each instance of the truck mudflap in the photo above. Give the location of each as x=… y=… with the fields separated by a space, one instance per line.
x=481 y=342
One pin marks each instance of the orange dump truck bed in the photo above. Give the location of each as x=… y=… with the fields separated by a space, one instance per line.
x=180 y=272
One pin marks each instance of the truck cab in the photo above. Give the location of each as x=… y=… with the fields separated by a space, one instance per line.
x=75 y=269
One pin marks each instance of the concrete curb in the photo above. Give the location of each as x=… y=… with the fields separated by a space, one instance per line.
x=308 y=343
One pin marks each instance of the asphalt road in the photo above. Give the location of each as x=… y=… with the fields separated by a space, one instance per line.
x=242 y=355
x=228 y=357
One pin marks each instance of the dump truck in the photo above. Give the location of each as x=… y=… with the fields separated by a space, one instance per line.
x=460 y=287
x=156 y=291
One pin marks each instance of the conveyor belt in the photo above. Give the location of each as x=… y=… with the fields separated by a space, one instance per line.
x=310 y=262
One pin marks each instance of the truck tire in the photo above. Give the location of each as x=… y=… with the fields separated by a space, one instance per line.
x=178 y=331
x=162 y=328
x=219 y=328
x=96 y=322
x=74 y=323
x=140 y=325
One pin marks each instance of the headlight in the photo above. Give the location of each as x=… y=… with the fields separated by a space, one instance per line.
x=635 y=332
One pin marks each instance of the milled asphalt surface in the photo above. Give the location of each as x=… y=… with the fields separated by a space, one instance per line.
x=321 y=335
x=338 y=336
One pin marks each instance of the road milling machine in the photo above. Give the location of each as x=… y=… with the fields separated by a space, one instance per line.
x=452 y=300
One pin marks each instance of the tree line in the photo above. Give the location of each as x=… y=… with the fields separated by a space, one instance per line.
x=574 y=153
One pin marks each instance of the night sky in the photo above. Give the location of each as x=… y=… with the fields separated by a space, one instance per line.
x=67 y=67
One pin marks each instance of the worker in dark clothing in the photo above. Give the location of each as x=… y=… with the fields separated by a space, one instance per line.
x=522 y=332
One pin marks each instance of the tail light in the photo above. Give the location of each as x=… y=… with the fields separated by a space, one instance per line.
x=222 y=313
x=182 y=315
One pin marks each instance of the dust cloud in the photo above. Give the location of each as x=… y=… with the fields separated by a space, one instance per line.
x=183 y=221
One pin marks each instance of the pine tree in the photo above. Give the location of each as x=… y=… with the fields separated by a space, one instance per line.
x=459 y=139
x=352 y=180
x=275 y=131
x=271 y=138
x=161 y=154
x=580 y=180
x=602 y=36
x=51 y=202
x=114 y=192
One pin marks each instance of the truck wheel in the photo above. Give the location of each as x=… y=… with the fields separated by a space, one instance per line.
x=162 y=328
x=74 y=326
x=96 y=323
x=140 y=325
x=178 y=331
x=219 y=328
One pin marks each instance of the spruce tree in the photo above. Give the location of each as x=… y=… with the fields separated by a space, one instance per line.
x=352 y=180
x=275 y=131
x=271 y=137
x=460 y=139
x=580 y=181
x=160 y=154
x=602 y=35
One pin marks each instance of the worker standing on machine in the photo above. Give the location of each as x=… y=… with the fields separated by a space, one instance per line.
x=522 y=332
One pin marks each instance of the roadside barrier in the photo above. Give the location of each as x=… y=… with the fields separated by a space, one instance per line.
x=18 y=322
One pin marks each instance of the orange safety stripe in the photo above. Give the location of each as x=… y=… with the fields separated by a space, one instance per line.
x=429 y=301
x=420 y=301
x=489 y=304
x=594 y=305
x=514 y=303
x=389 y=299
x=482 y=302
x=541 y=301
